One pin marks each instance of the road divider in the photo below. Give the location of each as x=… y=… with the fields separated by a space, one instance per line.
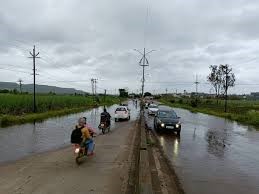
x=145 y=182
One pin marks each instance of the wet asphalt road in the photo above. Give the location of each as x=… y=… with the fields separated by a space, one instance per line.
x=22 y=140
x=213 y=155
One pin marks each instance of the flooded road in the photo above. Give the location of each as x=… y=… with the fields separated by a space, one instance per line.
x=213 y=155
x=23 y=140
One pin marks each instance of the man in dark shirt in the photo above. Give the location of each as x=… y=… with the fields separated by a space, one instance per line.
x=105 y=116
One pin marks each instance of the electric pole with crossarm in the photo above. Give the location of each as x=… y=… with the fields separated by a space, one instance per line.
x=34 y=56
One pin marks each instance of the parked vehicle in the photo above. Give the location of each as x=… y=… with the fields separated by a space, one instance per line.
x=122 y=112
x=152 y=109
x=167 y=120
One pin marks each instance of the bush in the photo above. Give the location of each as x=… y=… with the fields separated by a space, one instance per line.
x=180 y=101
x=172 y=101
x=209 y=102
x=194 y=103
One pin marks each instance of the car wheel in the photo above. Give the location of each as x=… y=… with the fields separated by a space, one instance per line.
x=178 y=133
x=129 y=118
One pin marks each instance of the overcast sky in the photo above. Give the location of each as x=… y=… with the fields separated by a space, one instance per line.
x=82 y=39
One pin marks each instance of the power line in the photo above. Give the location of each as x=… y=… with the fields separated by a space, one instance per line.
x=146 y=23
x=14 y=70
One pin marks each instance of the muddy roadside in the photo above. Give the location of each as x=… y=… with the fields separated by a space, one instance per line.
x=164 y=178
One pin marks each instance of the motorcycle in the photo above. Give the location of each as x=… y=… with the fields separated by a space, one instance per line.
x=104 y=127
x=80 y=152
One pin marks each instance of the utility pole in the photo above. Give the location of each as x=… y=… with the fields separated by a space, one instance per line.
x=95 y=87
x=104 y=97
x=93 y=83
x=20 y=84
x=196 y=83
x=166 y=91
x=143 y=62
x=34 y=56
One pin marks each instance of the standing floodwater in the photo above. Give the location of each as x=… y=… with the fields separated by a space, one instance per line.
x=22 y=140
x=213 y=155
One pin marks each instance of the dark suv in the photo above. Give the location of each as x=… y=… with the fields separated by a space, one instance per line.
x=167 y=120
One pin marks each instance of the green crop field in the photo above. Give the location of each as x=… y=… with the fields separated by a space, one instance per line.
x=18 y=108
x=20 y=104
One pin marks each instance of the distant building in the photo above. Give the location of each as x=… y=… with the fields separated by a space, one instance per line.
x=255 y=95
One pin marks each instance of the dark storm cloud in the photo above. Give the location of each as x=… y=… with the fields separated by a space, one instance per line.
x=84 y=39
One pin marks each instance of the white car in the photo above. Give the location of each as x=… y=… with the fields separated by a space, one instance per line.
x=152 y=109
x=122 y=112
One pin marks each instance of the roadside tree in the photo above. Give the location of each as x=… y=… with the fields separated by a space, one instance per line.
x=228 y=81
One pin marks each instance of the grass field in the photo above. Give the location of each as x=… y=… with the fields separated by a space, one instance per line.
x=243 y=111
x=17 y=108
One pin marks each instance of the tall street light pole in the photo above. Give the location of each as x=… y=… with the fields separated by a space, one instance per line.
x=143 y=62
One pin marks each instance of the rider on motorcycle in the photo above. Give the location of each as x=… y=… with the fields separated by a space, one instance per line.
x=89 y=127
x=106 y=117
x=87 y=141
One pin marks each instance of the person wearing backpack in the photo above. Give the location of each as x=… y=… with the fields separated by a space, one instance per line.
x=81 y=135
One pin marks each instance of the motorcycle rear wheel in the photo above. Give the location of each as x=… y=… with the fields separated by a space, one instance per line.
x=79 y=156
x=78 y=162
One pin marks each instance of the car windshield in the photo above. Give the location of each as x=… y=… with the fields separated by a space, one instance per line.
x=121 y=109
x=167 y=114
x=153 y=106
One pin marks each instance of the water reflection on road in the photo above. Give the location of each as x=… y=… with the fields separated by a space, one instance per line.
x=213 y=155
x=22 y=140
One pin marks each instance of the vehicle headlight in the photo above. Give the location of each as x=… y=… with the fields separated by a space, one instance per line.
x=77 y=150
x=178 y=125
x=162 y=125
